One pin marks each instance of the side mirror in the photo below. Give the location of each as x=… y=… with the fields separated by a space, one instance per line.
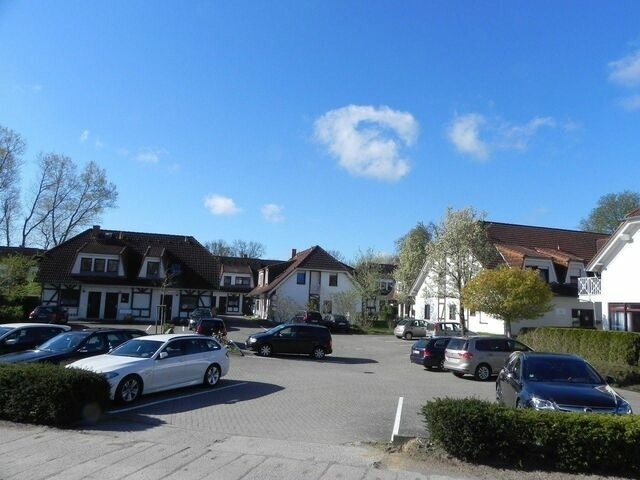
x=610 y=379
x=163 y=355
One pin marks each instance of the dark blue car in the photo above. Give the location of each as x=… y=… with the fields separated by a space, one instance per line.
x=556 y=382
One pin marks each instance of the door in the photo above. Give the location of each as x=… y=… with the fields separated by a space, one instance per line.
x=285 y=341
x=111 y=306
x=93 y=304
x=223 y=305
x=167 y=301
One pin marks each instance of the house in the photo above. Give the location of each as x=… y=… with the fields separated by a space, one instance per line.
x=387 y=290
x=560 y=256
x=311 y=277
x=610 y=286
x=110 y=275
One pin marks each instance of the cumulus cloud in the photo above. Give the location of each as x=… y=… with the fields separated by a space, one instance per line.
x=84 y=136
x=475 y=135
x=219 y=205
x=150 y=155
x=367 y=140
x=626 y=71
x=272 y=213
x=631 y=103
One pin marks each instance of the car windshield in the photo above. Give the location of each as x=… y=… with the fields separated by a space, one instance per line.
x=64 y=342
x=560 y=370
x=137 y=348
x=4 y=330
x=404 y=322
x=276 y=329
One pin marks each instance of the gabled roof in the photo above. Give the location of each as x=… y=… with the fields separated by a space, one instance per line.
x=621 y=237
x=514 y=243
x=198 y=268
x=314 y=258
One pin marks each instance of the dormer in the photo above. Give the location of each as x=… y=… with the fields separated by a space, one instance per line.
x=152 y=266
x=544 y=266
x=575 y=270
x=95 y=258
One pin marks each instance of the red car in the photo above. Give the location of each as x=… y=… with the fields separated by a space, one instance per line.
x=49 y=314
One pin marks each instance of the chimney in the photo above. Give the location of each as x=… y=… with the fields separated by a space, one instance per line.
x=294 y=252
x=95 y=231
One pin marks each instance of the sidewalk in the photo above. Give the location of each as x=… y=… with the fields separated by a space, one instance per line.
x=117 y=449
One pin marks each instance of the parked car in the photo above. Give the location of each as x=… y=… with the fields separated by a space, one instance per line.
x=198 y=313
x=164 y=362
x=410 y=328
x=73 y=345
x=555 y=381
x=307 y=316
x=336 y=323
x=210 y=326
x=480 y=356
x=314 y=340
x=429 y=352
x=49 y=314
x=16 y=337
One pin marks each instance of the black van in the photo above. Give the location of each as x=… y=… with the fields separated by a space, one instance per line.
x=305 y=339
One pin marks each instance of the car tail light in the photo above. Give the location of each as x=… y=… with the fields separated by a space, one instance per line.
x=200 y=330
x=426 y=353
x=466 y=355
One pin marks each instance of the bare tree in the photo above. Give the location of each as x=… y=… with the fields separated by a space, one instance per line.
x=12 y=147
x=64 y=202
x=250 y=249
x=219 y=247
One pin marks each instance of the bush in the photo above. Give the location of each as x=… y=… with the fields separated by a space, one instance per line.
x=484 y=432
x=12 y=313
x=50 y=395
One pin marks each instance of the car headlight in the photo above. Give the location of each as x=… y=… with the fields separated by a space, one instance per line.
x=110 y=375
x=623 y=408
x=252 y=340
x=542 y=404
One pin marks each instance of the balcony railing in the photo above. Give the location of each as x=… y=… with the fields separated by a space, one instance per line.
x=589 y=286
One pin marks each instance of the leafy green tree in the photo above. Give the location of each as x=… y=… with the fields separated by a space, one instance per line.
x=367 y=273
x=411 y=249
x=457 y=253
x=610 y=211
x=508 y=294
x=17 y=277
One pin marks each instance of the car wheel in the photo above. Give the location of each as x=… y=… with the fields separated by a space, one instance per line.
x=265 y=350
x=408 y=336
x=441 y=365
x=458 y=374
x=211 y=376
x=318 y=353
x=483 y=372
x=129 y=390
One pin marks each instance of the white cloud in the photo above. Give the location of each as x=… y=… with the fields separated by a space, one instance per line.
x=99 y=143
x=84 y=136
x=631 y=103
x=219 y=205
x=626 y=71
x=477 y=136
x=367 y=140
x=464 y=133
x=272 y=213
x=150 y=155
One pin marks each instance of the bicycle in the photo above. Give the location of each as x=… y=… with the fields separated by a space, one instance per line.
x=228 y=344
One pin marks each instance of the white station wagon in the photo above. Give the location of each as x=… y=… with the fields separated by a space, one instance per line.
x=159 y=362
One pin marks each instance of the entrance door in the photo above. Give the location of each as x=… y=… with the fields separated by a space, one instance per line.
x=167 y=301
x=223 y=305
x=111 y=306
x=93 y=304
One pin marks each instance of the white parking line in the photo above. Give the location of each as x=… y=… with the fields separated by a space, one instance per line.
x=396 y=424
x=136 y=407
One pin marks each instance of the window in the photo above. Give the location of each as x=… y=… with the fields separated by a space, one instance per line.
x=70 y=297
x=333 y=280
x=472 y=313
x=573 y=280
x=98 y=265
x=233 y=303
x=452 y=311
x=243 y=281
x=85 y=264
x=112 y=266
x=427 y=311
x=301 y=278
x=153 y=269
x=124 y=298
x=226 y=280
x=188 y=302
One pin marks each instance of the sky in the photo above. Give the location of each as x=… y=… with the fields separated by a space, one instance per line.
x=334 y=123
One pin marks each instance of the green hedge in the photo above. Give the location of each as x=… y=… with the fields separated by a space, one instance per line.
x=50 y=395
x=483 y=432
x=594 y=345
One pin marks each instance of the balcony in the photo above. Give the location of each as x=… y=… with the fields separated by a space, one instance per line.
x=588 y=286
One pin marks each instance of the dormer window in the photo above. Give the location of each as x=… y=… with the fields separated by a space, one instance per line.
x=98 y=265
x=85 y=264
x=112 y=266
x=242 y=281
x=153 y=269
x=227 y=280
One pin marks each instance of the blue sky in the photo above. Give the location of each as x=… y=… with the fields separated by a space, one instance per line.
x=338 y=123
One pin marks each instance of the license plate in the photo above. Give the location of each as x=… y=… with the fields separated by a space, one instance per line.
x=416 y=351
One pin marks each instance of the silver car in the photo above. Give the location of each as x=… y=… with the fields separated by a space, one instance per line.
x=410 y=328
x=480 y=356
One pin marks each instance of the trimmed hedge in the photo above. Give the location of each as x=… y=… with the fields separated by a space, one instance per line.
x=483 y=432
x=50 y=395
x=598 y=346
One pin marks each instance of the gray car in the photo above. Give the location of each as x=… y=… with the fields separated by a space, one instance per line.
x=480 y=356
x=410 y=328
